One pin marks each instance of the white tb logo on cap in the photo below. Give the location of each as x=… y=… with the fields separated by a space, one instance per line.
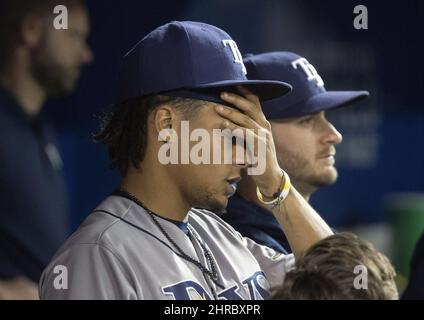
x=309 y=70
x=236 y=53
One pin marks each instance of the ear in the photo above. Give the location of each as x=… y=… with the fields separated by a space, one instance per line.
x=32 y=28
x=164 y=118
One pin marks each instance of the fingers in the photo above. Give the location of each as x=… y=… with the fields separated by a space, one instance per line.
x=244 y=127
x=236 y=117
x=248 y=103
x=250 y=138
x=245 y=105
x=249 y=95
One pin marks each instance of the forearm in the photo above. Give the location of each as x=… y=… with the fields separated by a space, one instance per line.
x=301 y=224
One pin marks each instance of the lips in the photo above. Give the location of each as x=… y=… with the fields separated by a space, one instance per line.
x=234 y=180
x=329 y=160
x=232 y=186
x=327 y=154
x=234 y=189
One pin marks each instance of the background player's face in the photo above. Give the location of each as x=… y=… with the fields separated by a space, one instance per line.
x=57 y=59
x=305 y=149
x=207 y=185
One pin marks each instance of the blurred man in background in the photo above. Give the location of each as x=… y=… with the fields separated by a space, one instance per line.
x=304 y=140
x=37 y=61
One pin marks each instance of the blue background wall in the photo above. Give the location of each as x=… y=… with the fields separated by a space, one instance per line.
x=382 y=150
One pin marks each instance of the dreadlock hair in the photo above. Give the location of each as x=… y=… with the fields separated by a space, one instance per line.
x=124 y=130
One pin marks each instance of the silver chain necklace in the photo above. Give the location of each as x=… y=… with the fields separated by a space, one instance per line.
x=213 y=274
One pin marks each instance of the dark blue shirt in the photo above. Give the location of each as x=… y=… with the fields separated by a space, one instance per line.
x=415 y=289
x=256 y=223
x=33 y=205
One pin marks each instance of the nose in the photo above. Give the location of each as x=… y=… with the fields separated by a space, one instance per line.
x=242 y=166
x=241 y=161
x=332 y=135
x=240 y=156
x=87 y=54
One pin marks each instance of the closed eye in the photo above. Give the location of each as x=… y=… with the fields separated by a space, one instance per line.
x=308 y=120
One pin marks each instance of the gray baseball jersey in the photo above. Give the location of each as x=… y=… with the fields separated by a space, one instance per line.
x=120 y=253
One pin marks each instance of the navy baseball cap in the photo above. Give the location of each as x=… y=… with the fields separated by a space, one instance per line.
x=192 y=60
x=308 y=96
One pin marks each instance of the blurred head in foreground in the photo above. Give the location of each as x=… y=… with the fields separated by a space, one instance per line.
x=340 y=267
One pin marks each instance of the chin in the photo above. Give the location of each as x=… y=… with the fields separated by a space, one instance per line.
x=218 y=205
x=59 y=90
x=69 y=85
x=328 y=178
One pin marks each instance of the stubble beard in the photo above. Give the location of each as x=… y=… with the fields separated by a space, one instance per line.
x=55 y=79
x=305 y=178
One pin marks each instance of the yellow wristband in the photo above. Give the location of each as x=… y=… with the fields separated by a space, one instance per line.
x=282 y=194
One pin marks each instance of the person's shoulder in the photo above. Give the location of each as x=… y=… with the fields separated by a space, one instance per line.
x=94 y=250
x=103 y=226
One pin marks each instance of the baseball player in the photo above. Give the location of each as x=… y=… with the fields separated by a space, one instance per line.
x=304 y=139
x=147 y=240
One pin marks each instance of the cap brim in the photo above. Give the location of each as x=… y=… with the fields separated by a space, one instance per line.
x=265 y=90
x=320 y=102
